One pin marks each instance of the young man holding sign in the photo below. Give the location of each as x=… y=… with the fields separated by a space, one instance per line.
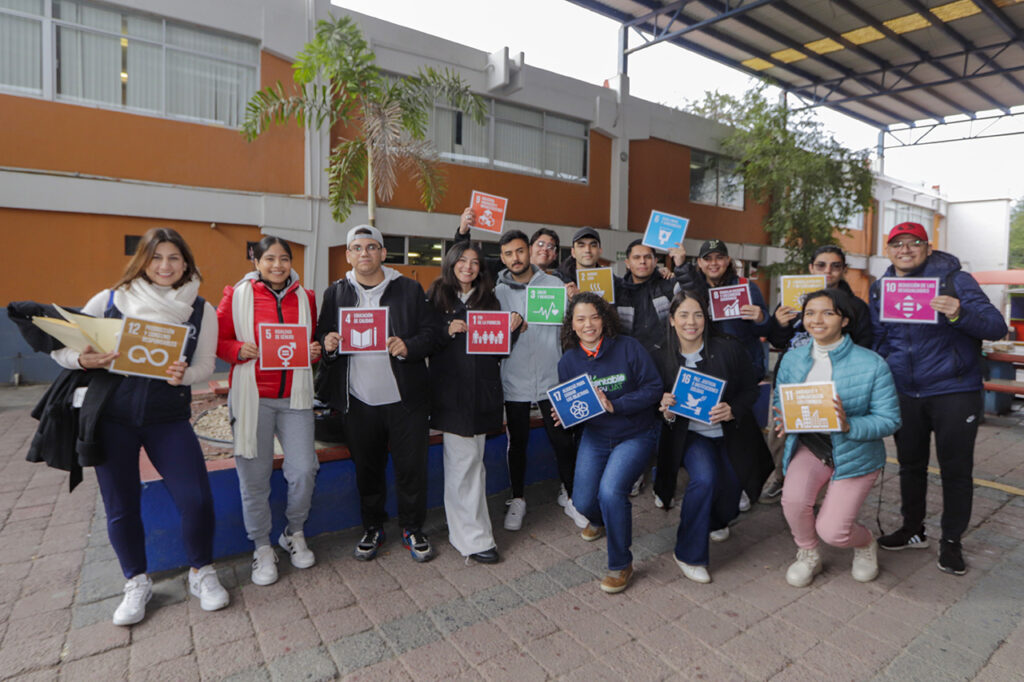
x=386 y=395
x=938 y=375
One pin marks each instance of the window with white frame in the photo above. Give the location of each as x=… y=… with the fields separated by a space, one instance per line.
x=855 y=221
x=87 y=52
x=897 y=212
x=715 y=180
x=513 y=138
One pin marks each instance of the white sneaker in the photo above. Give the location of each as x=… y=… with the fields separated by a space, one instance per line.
x=865 y=562
x=205 y=585
x=264 y=566
x=802 y=571
x=563 y=497
x=638 y=485
x=579 y=519
x=720 y=535
x=515 y=513
x=698 y=574
x=302 y=555
x=744 y=502
x=132 y=609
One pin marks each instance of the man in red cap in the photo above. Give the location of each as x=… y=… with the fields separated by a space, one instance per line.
x=938 y=375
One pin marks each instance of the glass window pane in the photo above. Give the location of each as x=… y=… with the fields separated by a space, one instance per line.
x=395 y=246
x=27 y=6
x=89 y=66
x=21 y=52
x=509 y=112
x=703 y=179
x=557 y=124
x=88 y=15
x=145 y=82
x=423 y=251
x=144 y=27
x=209 y=43
x=207 y=89
x=564 y=157
x=517 y=147
x=730 y=185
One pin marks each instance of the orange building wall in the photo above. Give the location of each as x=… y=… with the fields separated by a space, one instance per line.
x=84 y=254
x=45 y=135
x=531 y=198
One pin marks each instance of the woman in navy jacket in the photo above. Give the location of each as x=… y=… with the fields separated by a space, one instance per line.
x=717 y=456
x=466 y=399
x=616 y=445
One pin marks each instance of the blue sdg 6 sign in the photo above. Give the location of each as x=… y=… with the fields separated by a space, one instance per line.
x=575 y=401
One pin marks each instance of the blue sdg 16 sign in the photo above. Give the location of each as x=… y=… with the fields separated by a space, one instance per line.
x=575 y=401
x=696 y=394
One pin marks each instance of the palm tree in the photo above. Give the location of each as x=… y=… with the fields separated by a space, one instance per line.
x=385 y=118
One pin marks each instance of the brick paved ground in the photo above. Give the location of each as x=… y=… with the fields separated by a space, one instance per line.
x=536 y=615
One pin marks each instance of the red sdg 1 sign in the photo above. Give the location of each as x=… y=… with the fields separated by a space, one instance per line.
x=284 y=346
x=363 y=330
x=488 y=332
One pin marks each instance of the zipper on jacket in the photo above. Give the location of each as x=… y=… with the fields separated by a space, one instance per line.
x=284 y=378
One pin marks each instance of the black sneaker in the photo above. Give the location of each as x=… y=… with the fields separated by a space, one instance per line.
x=418 y=545
x=366 y=548
x=904 y=539
x=951 y=559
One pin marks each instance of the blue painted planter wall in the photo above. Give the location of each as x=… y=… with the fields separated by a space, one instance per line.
x=335 y=501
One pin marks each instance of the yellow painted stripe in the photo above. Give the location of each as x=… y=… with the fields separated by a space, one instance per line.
x=757 y=64
x=864 y=34
x=907 y=23
x=788 y=56
x=824 y=46
x=1010 y=489
x=958 y=9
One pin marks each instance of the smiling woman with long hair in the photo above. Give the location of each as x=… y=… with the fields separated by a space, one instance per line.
x=160 y=284
x=615 y=446
x=466 y=399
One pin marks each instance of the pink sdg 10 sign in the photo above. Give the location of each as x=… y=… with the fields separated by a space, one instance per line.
x=488 y=332
x=908 y=299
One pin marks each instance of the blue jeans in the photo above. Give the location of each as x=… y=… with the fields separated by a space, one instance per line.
x=605 y=471
x=711 y=499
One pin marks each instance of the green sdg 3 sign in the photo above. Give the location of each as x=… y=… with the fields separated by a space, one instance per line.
x=545 y=305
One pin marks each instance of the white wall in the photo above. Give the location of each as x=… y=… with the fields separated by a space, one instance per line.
x=978 y=233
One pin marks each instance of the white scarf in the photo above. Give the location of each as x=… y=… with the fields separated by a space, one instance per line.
x=142 y=298
x=244 y=394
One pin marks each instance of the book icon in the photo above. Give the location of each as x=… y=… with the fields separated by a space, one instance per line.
x=363 y=339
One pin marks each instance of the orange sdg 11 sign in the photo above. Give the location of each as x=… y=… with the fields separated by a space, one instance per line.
x=808 y=408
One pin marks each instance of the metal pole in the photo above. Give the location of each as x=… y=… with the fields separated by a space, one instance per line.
x=880 y=150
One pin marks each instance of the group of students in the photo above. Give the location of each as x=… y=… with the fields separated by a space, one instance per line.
x=632 y=350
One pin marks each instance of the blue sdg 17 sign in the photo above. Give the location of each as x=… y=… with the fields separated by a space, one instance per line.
x=696 y=394
x=575 y=401
x=665 y=231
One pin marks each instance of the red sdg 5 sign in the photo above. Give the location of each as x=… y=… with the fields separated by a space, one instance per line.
x=488 y=332
x=284 y=346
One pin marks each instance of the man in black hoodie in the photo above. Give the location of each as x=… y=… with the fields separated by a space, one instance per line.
x=642 y=297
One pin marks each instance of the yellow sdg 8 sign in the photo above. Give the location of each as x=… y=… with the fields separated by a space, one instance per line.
x=807 y=408
x=148 y=348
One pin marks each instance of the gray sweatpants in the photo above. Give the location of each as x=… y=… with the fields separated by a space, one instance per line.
x=294 y=428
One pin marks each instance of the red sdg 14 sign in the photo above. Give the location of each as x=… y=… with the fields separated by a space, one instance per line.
x=363 y=330
x=488 y=332
x=284 y=346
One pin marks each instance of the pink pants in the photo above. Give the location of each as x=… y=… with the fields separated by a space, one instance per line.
x=837 y=519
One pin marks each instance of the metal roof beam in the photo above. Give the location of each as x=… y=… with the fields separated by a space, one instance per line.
x=885 y=65
x=923 y=55
x=999 y=18
x=953 y=34
x=676 y=7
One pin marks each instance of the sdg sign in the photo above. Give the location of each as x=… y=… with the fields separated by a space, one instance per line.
x=575 y=401
x=545 y=305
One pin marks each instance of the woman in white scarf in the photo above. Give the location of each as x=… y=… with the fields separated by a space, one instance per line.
x=160 y=284
x=269 y=402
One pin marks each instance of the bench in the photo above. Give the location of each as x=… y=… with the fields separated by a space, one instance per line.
x=1004 y=386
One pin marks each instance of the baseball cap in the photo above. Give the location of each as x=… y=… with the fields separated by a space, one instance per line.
x=913 y=229
x=586 y=233
x=364 y=232
x=711 y=246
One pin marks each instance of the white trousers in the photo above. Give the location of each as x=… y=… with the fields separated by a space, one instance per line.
x=465 y=494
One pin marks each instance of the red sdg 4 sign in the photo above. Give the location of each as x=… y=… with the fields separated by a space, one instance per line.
x=284 y=346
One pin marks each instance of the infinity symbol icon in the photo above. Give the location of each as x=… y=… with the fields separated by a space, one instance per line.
x=150 y=355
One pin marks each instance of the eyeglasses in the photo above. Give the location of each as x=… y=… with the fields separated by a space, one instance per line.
x=546 y=246
x=907 y=244
x=369 y=248
x=834 y=267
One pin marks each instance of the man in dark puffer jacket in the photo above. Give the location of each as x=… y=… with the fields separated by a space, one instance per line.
x=938 y=375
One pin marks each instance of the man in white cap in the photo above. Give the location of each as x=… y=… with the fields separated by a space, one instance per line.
x=385 y=395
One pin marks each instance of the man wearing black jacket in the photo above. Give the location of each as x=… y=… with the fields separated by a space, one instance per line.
x=386 y=395
x=786 y=330
x=642 y=297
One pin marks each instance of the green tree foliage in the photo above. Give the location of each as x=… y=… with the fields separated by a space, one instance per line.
x=810 y=181
x=385 y=118
x=1017 y=236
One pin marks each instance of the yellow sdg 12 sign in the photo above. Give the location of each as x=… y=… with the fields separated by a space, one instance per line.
x=148 y=348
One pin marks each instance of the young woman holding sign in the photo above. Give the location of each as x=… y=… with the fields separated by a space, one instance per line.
x=847 y=461
x=717 y=455
x=269 y=402
x=617 y=444
x=160 y=284
x=466 y=399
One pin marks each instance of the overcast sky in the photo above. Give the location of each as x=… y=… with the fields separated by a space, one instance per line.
x=562 y=37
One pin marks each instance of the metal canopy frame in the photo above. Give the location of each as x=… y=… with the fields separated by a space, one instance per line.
x=866 y=60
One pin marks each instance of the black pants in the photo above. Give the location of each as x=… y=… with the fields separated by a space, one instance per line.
x=563 y=442
x=953 y=418
x=373 y=430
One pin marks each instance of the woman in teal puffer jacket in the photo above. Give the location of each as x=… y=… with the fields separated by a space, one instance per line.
x=847 y=461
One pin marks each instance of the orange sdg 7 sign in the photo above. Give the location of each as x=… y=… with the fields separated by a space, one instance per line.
x=807 y=408
x=148 y=348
